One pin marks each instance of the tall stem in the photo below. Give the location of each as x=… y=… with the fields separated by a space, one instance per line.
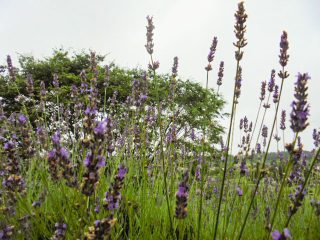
x=226 y=153
x=164 y=169
x=260 y=175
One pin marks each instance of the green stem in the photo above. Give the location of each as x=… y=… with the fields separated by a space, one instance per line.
x=226 y=154
x=260 y=175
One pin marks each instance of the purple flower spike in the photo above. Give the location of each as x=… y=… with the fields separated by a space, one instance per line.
x=284 y=46
x=283 y=120
x=271 y=82
x=263 y=90
x=150 y=28
x=175 y=67
x=300 y=108
x=220 y=73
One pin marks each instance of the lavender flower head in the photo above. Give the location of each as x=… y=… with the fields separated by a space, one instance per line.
x=271 y=82
x=220 y=73
x=211 y=53
x=284 y=46
x=283 y=120
x=276 y=94
x=240 y=29
x=150 y=28
x=182 y=197
x=263 y=90
x=10 y=68
x=300 y=108
x=175 y=67
x=55 y=81
x=316 y=137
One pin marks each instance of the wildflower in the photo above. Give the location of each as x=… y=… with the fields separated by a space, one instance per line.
x=240 y=29
x=150 y=28
x=316 y=137
x=276 y=235
x=284 y=46
x=55 y=81
x=101 y=229
x=271 y=82
x=300 y=108
x=175 y=67
x=29 y=83
x=276 y=94
x=296 y=199
x=211 y=53
x=11 y=69
x=220 y=73
x=182 y=197
x=154 y=65
x=283 y=120
x=113 y=195
x=238 y=83
x=263 y=90
x=60 y=232
x=239 y=191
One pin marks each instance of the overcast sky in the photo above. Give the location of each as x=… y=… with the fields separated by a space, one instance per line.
x=184 y=28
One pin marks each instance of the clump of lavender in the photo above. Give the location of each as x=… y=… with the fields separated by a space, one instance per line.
x=211 y=54
x=300 y=108
x=101 y=229
x=60 y=232
x=276 y=235
x=182 y=197
x=113 y=195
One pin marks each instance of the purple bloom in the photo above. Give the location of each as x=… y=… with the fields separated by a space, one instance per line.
x=220 y=73
x=284 y=46
x=211 y=53
x=263 y=90
x=22 y=119
x=150 y=28
x=175 y=67
x=283 y=120
x=239 y=191
x=300 y=108
x=276 y=94
x=276 y=235
x=271 y=82
x=182 y=197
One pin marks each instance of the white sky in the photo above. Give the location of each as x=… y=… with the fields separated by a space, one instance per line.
x=184 y=28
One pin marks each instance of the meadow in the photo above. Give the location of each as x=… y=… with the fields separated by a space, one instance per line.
x=86 y=161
